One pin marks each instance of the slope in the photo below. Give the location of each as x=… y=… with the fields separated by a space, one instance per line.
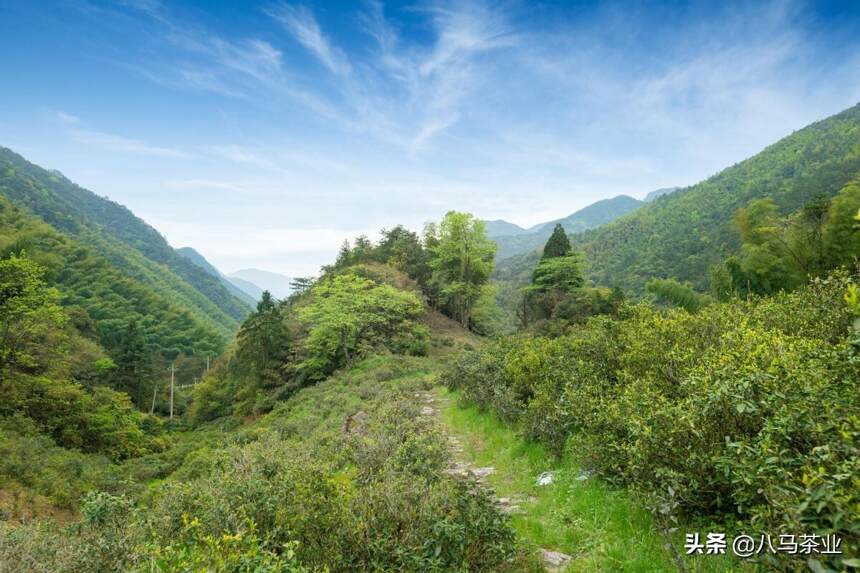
x=598 y=213
x=101 y=298
x=116 y=233
x=502 y=228
x=199 y=260
x=682 y=234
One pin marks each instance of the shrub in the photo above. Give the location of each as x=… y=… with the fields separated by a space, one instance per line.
x=743 y=411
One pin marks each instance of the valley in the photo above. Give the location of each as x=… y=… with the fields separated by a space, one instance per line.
x=633 y=387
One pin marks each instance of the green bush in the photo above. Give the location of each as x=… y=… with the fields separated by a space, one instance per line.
x=744 y=411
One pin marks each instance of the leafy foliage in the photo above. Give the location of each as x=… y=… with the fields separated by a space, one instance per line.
x=743 y=411
x=462 y=263
x=113 y=231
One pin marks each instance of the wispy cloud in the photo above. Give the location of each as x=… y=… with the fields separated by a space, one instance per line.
x=300 y=22
x=75 y=128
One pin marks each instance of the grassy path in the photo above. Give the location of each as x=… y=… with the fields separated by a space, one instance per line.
x=601 y=527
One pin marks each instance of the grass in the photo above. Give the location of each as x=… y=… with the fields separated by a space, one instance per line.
x=602 y=527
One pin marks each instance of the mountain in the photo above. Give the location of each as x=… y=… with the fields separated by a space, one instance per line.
x=100 y=298
x=231 y=286
x=659 y=193
x=501 y=228
x=277 y=284
x=127 y=241
x=686 y=232
x=597 y=213
x=249 y=288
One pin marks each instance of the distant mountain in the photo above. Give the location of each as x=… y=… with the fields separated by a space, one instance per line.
x=686 y=232
x=501 y=228
x=247 y=287
x=106 y=285
x=659 y=193
x=598 y=213
x=229 y=284
x=128 y=242
x=277 y=284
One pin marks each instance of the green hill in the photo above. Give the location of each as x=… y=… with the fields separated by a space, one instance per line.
x=682 y=234
x=114 y=232
x=101 y=298
x=596 y=214
x=199 y=260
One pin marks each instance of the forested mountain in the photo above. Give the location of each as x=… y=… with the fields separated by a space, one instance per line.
x=659 y=193
x=502 y=228
x=114 y=232
x=277 y=284
x=683 y=234
x=596 y=214
x=101 y=299
x=234 y=289
x=247 y=287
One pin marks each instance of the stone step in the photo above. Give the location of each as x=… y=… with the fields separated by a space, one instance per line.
x=554 y=560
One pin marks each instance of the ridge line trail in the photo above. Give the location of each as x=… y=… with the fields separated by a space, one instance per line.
x=432 y=402
x=576 y=523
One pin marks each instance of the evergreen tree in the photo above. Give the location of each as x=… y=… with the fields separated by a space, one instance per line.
x=263 y=345
x=133 y=363
x=558 y=244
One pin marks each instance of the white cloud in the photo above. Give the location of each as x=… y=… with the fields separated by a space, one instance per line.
x=300 y=22
x=75 y=129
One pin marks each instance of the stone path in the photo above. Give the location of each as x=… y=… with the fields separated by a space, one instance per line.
x=554 y=561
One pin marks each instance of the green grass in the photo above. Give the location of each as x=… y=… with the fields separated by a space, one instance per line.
x=602 y=527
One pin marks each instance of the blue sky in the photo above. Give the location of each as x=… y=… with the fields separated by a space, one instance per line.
x=262 y=134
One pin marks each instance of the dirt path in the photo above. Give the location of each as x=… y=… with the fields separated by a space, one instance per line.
x=460 y=465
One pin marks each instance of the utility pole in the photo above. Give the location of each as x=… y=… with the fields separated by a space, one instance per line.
x=207 y=363
x=172 y=376
x=154 y=392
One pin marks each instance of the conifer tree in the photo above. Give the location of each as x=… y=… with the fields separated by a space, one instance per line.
x=558 y=244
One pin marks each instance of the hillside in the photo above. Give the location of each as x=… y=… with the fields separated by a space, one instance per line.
x=234 y=289
x=277 y=284
x=116 y=233
x=502 y=228
x=682 y=234
x=596 y=214
x=101 y=298
x=659 y=193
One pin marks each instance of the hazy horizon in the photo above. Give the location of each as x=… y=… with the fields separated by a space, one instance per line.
x=264 y=135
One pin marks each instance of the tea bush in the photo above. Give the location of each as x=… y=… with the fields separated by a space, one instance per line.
x=746 y=411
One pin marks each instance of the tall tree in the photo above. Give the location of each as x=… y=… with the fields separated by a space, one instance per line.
x=29 y=312
x=841 y=240
x=133 y=374
x=558 y=244
x=462 y=263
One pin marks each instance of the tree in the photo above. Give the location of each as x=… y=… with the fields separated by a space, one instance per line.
x=349 y=315
x=841 y=240
x=558 y=244
x=263 y=343
x=678 y=294
x=559 y=273
x=133 y=373
x=462 y=263
x=29 y=313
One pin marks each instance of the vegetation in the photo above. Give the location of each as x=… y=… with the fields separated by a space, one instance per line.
x=298 y=491
x=604 y=528
x=131 y=245
x=307 y=445
x=598 y=213
x=744 y=412
x=683 y=234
